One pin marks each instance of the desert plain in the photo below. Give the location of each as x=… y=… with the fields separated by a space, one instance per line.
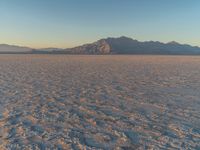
x=117 y=102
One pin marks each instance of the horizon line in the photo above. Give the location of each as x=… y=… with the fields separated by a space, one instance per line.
x=48 y=47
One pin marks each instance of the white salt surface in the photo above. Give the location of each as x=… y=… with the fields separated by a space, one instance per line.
x=99 y=102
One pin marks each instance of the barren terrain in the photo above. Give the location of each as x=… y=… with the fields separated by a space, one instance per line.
x=99 y=102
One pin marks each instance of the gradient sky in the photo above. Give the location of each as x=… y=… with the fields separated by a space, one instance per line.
x=67 y=23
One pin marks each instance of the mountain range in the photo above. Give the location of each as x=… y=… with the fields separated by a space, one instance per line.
x=121 y=45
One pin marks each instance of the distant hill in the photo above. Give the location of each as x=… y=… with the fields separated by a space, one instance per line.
x=4 y=48
x=7 y=49
x=121 y=45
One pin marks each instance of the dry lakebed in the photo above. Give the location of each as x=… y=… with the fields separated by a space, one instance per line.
x=110 y=102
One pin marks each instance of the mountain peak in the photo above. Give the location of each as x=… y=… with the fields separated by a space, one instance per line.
x=125 y=37
x=120 y=38
x=173 y=43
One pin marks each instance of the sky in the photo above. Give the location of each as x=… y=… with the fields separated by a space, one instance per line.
x=68 y=23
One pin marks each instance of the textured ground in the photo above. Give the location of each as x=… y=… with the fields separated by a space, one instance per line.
x=99 y=102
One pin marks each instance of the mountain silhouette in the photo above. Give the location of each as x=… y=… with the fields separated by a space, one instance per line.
x=121 y=45
x=125 y=45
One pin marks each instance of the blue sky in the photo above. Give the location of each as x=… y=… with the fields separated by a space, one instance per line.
x=67 y=23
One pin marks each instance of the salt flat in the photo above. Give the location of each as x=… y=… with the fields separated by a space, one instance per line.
x=99 y=102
